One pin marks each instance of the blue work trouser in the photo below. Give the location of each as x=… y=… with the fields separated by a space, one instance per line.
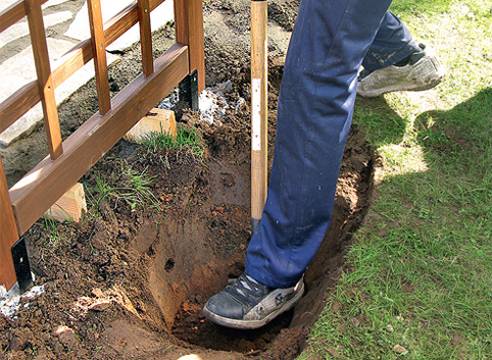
x=330 y=42
x=393 y=43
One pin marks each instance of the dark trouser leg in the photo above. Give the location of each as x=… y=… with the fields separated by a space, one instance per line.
x=316 y=104
x=393 y=43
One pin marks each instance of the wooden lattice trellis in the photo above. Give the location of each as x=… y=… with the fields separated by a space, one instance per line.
x=183 y=63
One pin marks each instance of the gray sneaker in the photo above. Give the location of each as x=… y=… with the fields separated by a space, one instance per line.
x=421 y=73
x=246 y=304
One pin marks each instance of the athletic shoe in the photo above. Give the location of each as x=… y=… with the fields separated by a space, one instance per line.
x=420 y=72
x=247 y=304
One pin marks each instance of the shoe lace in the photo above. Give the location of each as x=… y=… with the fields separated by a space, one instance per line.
x=247 y=291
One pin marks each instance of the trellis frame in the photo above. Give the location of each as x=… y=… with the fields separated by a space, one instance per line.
x=182 y=64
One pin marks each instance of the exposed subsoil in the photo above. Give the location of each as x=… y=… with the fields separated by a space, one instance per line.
x=129 y=283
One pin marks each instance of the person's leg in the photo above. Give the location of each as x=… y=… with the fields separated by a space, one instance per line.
x=393 y=44
x=330 y=41
x=316 y=105
x=395 y=62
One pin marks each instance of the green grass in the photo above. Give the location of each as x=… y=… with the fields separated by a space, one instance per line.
x=51 y=228
x=421 y=268
x=134 y=190
x=187 y=139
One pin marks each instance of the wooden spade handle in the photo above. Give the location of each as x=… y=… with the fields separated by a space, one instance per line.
x=259 y=108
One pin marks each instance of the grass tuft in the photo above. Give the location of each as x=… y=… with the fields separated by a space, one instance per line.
x=186 y=139
x=51 y=228
x=134 y=189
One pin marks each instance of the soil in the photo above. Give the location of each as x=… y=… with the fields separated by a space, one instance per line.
x=129 y=282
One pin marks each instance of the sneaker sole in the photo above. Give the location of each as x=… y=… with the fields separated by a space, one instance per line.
x=253 y=324
x=426 y=85
x=375 y=93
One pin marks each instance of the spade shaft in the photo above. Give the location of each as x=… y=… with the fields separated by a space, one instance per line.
x=259 y=108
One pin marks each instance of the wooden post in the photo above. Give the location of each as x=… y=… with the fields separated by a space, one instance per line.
x=8 y=234
x=188 y=15
x=259 y=109
x=145 y=37
x=99 y=51
x=45 y=80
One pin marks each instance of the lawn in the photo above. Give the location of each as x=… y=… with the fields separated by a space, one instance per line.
x=418 y=279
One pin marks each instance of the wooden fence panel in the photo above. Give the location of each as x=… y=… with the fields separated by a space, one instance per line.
x=22 y=100
x=26 y=201
x=49 y=180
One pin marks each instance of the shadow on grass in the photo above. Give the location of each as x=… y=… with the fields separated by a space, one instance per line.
x=464 y=130
x=383 y=124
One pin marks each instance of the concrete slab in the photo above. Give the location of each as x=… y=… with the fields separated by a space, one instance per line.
x=19 y=70
x=21 y=28
x=6 y=3
x=70 y=207
x=157 y=120
x=79 y=29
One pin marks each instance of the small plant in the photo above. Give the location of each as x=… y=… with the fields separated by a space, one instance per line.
x=97 y=194
x=139 y=192
x=51 y=228
x=103 y=190
x=187 y=138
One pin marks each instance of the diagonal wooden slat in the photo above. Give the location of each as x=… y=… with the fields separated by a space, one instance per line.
x=16 y=106
x=13 y=13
